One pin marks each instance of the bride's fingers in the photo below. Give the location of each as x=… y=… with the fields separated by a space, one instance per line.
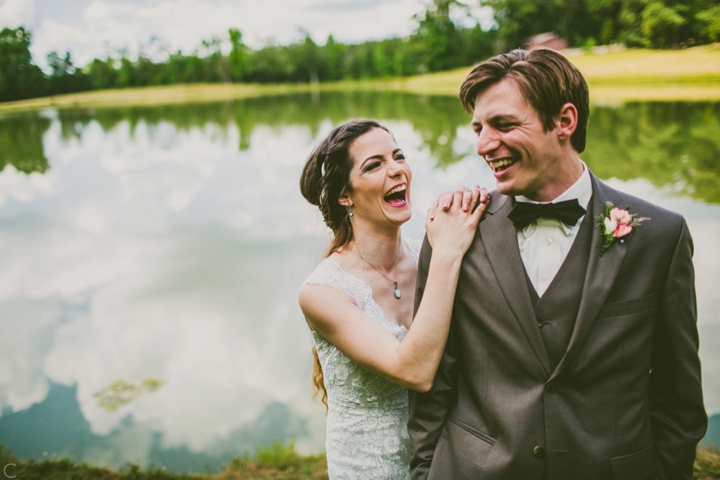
x=432 y=211
x=484 y=202
x=447 y=199
x=470 y=198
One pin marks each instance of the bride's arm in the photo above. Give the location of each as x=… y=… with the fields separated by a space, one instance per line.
x=414 y=361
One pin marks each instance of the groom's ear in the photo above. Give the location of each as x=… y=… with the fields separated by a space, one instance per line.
x=566 y=122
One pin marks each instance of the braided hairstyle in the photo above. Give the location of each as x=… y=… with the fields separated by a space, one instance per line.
x=326 y=178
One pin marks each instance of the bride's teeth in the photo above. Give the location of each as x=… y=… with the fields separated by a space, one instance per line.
x=400 y=188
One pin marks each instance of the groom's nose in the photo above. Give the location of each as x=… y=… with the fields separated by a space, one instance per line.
x=487 y=141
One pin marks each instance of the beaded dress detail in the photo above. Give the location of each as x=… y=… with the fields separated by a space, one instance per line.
x=367 y=436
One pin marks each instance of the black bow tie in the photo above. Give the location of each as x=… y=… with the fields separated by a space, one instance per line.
x=568 y=212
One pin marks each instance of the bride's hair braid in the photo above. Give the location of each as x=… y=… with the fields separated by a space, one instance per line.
x=325 y=178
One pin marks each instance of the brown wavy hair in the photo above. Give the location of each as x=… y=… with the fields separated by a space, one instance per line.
x=546 y=79
x=326 y=178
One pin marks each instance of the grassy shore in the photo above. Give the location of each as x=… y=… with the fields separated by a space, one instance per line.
x=692 y=74
x=273 y=463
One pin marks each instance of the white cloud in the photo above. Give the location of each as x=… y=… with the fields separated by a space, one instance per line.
x=17 y=12
x=104 y=26
x=53 y=36
x=23 y=187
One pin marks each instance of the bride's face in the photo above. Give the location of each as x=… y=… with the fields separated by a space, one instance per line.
x=380 y=180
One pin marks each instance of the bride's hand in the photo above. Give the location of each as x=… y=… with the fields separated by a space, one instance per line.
x=470 y=197
x=452 y=220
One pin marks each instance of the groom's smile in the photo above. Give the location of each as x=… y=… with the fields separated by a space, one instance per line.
x=525 y=158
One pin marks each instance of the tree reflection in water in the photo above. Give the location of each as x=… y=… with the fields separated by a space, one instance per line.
x=671 y=144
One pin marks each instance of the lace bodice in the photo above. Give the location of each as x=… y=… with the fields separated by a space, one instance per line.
x=367 y=434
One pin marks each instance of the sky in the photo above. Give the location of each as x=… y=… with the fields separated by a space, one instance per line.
x=96 y=28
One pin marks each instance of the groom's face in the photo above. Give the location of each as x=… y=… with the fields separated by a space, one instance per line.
x=511 y=138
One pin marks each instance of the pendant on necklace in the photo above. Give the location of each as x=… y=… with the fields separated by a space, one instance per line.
x=397 y=292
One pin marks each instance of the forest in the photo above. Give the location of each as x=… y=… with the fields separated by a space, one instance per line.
x=436 y=44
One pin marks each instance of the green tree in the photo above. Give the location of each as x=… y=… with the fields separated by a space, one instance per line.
x=575 y=20
x=215 y=67
x=333 y=54
x=19 y=78
x=307 y=61
x=60 y=66
x=102 y=73
x=443 y=44
x=709 y=20
x=238 y=55
x=661 y=24
x=65 y=78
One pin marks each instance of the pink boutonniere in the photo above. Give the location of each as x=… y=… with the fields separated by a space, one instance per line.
x=616 y=223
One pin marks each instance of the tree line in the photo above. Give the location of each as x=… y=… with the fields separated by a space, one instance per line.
x=635 y=23
x=436 y=44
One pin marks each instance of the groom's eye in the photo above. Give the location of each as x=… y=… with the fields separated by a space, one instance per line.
x=504 y=126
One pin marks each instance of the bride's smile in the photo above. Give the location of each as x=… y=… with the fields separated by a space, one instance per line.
x=379 y=180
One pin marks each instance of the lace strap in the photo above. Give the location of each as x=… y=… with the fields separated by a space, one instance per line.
x=329 y=272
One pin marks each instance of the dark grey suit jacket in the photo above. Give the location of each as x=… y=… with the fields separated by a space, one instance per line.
x=624 y=403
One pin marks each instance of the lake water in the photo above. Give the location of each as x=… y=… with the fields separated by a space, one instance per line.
x=150 y=259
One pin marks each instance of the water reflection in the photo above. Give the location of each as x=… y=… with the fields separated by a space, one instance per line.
x=168 y=243
x=21 y=142
x=671 y=143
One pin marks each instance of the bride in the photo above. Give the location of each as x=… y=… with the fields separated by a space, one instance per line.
x=359 y=300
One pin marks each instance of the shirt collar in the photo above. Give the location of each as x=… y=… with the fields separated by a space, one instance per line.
x=581 y=189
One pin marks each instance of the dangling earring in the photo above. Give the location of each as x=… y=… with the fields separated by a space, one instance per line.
x=351 y=214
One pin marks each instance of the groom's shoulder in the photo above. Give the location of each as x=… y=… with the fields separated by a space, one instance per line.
x=497 y=200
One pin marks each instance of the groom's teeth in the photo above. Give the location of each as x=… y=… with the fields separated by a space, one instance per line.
x=500 y=163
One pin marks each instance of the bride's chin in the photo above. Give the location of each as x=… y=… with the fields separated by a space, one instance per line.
x=401 y=219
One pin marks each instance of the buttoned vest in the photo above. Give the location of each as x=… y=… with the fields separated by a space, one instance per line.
x=556 y=311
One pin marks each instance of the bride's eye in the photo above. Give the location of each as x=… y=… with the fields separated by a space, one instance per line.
x=371 y=166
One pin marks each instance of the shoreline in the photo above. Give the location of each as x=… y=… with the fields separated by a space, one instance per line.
x=270 y=463
x=614 y=77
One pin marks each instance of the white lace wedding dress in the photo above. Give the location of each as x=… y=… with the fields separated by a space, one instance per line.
x=367 y=436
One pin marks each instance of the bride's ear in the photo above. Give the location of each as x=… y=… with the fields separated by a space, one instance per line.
x=345 y=200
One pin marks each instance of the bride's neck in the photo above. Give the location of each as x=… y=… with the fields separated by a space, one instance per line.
x=384 y=249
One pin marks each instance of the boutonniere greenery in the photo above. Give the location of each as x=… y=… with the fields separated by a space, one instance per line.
x=616 y=223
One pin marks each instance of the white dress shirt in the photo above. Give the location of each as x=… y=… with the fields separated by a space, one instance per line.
x=544 y=244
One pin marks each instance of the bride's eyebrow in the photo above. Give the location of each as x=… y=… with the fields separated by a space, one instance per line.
x=379 y=156
x=372 y=157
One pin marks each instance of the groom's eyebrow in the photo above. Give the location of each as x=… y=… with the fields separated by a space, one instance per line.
x=500 y=118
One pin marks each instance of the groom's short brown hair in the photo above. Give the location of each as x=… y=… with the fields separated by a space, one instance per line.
x=546 y=79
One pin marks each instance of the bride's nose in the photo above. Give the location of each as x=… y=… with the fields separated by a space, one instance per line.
x=395 y=169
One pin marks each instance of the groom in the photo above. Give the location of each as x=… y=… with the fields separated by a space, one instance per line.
x=573 y=352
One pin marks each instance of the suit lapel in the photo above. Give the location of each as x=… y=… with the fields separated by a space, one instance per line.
x=599 y=278
x=499 y=238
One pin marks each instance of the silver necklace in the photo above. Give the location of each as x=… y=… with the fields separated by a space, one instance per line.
x=396 y=290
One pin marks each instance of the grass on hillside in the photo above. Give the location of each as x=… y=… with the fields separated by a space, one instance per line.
x=692 y=74
x=272 y=463
x=707 y=463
